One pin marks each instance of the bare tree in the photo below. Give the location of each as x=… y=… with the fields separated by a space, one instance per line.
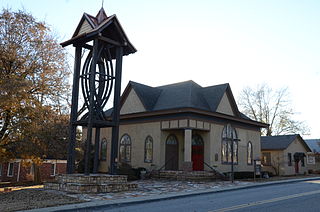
x=272 y=107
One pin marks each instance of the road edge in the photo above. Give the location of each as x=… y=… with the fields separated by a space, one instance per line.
x=138 y=200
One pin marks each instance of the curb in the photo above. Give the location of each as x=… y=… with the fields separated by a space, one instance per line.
x=145 y=199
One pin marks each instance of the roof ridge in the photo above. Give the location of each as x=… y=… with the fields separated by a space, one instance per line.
x=280 y=135
x=179 y=83
x=225 y=84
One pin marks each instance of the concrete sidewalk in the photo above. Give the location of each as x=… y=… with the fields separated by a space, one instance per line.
x=171 y=195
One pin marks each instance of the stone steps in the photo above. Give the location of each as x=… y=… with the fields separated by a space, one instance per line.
x=188 y=176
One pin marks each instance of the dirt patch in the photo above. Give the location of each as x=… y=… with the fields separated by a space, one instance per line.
x=33 y=198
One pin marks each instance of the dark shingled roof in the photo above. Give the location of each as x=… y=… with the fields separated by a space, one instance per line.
x=148 y=95
x=186 y=94
x=314 y=145
x=279 y=142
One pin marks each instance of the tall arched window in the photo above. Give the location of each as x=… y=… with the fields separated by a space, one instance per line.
x=249 y=153
x=229 y=137
x=125 y=149
x=103 y=150
x=148 y=150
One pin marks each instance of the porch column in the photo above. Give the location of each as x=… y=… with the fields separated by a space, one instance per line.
x=187 y=164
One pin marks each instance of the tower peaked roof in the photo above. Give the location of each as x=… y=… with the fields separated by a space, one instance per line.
x=101 y=26
x=93 y=21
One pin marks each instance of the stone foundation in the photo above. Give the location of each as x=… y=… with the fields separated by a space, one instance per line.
x=96 y=183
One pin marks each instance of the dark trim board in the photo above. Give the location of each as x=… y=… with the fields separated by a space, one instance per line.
x=129 y=119
x=206 y=115
x=186 y=116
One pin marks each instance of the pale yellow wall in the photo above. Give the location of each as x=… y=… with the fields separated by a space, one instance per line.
x=245 y=136
x=85 y=27
x=276 y=161
x=138 y=133
x=295 y=146
x=224 y=106
x=212 y=145
x=279 y=159
x=132 y=104
x=215 y=143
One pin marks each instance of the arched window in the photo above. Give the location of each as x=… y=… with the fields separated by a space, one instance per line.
x=125 y=149
x=172 y=140
x=249 y=153
x=229 y=137
x=148 y=150
x=197 y=140
x=103 y=150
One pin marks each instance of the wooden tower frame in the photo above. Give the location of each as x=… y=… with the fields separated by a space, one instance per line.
x=107 y=43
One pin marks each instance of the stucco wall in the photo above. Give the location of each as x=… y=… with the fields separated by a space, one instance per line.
x=132 y=104
x=295 y=146
x=245 y=135
x=138 y=133
x=212 y=145
x=224 y=106
x=279 y=160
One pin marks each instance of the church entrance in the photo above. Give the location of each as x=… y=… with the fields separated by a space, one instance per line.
x=197 y=153
x=172 y=153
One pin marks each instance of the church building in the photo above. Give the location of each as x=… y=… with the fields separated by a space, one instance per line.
x=182 y=126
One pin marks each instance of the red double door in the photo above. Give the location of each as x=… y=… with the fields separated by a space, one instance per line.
x=197 y=157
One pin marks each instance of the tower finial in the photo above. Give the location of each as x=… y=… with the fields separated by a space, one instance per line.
x=102 y=3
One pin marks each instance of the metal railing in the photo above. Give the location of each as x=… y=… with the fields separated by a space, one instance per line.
x=215 y=171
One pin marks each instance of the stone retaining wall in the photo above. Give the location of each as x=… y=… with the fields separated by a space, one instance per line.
x=98 y=183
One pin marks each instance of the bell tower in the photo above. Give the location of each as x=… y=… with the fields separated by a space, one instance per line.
x=102 y=42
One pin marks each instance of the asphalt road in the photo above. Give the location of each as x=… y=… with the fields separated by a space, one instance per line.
x=300 y=196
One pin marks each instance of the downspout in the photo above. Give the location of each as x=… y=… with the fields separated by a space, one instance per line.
x=18 y=176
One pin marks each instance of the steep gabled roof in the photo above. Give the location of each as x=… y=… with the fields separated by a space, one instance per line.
x=186 y=94
x=104 y=26
x=148 y=95
x=94 y=22
x=280 y=142
x=314 y=145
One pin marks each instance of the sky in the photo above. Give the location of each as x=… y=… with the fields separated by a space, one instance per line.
x=241 y=42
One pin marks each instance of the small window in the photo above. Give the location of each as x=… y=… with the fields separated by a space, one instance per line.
x=10 y=170
x=148 y=150
x=216 y=157
x=249 y=153
x=125 y=149
x=103 y=151
x=289 y=159
x=266 y=159
x=53 y=169
x=0 y=169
